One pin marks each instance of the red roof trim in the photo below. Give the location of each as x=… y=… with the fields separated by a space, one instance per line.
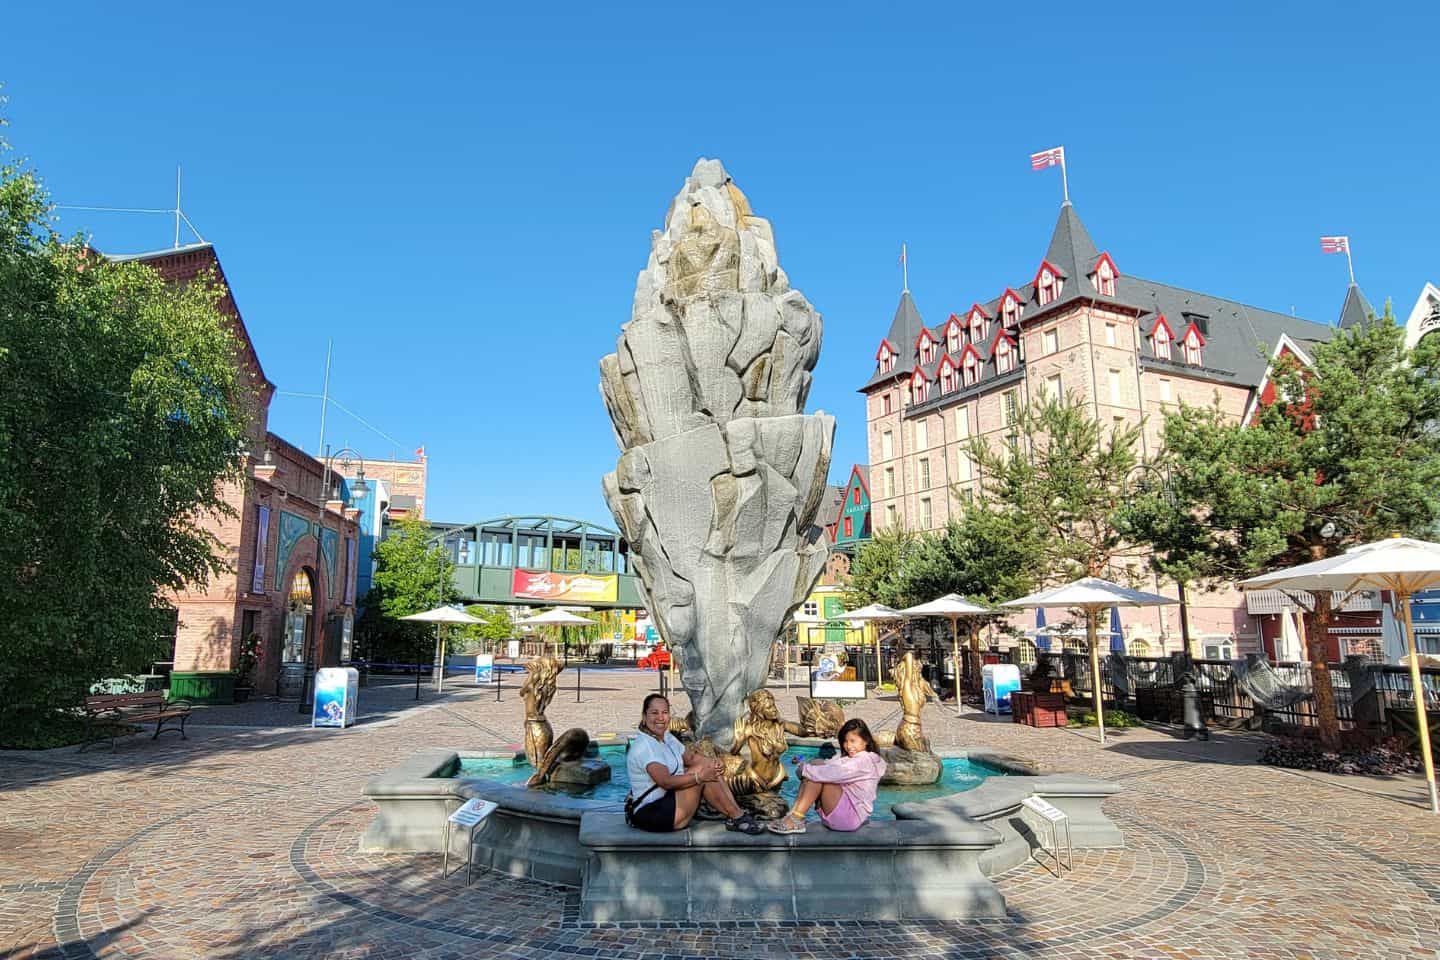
x=880 y=351
x=1059 y=274
x=970 y=351
x=924 y=332
x=1198 y=335
x=954 y=321
x=946 y=359
x=918 y=374
x=855 y=474
x=976 y=308
x=1160 y=321
x=1106 y=258
x=1010 y=292
x=1002 y=335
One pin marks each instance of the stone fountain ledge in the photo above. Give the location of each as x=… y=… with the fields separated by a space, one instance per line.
x=543 y=836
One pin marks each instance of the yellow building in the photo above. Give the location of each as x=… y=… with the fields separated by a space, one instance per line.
x=817 y=623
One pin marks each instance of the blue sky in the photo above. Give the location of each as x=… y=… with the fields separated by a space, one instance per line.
x=463 y=198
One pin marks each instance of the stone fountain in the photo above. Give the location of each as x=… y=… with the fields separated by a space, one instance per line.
x=721 y=471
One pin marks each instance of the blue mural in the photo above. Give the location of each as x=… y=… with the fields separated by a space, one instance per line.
x=292 y=528
x=330 y=551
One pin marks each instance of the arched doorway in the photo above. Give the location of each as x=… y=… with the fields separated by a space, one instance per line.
x=298 y=638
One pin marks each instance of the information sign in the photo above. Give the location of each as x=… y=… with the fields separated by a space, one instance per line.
x=473 y=811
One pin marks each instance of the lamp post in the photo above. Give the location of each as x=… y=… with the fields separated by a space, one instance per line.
x=358 y=488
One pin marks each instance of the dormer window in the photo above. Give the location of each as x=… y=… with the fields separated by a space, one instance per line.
x=1004 y=354
x=954 y=334
x=919 y=387
x=949 y=379
x=925 y=344
x=979 y=324
x=1049 y=281
x=1104 y=276
x=1010 y=308
x=885 y=356
x=1161 y=338
x=970 y=367
x=1193 y=345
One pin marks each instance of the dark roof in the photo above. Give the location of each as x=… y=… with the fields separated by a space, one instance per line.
x=830 y=505
x=904 y=331
x=1356 y=309
x=1238 y=338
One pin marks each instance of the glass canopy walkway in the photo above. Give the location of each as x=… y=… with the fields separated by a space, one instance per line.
x=540 y=560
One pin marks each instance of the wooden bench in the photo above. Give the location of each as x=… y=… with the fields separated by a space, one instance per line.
x=118 y=709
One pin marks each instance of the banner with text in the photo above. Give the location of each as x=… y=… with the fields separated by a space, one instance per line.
x=576 y=587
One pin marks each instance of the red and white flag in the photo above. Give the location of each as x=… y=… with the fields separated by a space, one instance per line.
x=1334 y=244
x=420 y=453
x=1055 y=156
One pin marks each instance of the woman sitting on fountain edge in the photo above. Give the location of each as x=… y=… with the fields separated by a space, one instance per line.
x=668 y=781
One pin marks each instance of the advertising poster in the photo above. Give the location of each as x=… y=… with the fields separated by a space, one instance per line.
x=575 y=587
x=336 y=689
x=484 y=668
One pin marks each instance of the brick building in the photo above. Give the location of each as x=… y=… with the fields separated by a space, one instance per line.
x=404 y=480
x=289 y=550
x=1130 y=348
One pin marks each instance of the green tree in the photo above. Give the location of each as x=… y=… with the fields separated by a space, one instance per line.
x=1345 y=455
x=497 y=626
x=412 y=575
x=123 y=411
x=986 y=555
x=878 y=573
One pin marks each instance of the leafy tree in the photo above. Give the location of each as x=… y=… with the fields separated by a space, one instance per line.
x=1344 y=456
x=1060 y=481
x=123 y=411
x=497 y=626
x=412 y=575
x=878 y=573
x=987 y=555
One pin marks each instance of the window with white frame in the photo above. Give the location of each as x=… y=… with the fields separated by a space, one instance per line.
x=890 y=515
x=1010 y=310
x=889 y=481
x=1114 y=379
x=924 y=470
x=1160 y=341
x=1011 y=405
x=962 y=423
x=948 y=380
x=1105 y=278
x=952 y=336
x=979 y=327
x=926 y=514
x=1004 y=356
x=964 y=470
x=1109 y=334
x=922 y=434
x=886 y=403
x=1164 y=391
x=1047 y=287
x=927 y=349
x=1053 y=389
x=887 y=445
x=887 y=358
x=919 y=389
x=1025 y=652
x=972 y=369
x=1193 y=345
x=811 y=609
x=1049 y=342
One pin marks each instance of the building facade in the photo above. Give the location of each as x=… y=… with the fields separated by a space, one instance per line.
x=289 y=549
x=1131 y=349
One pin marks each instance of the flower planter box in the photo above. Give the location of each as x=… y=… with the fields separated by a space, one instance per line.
x=1038 y=709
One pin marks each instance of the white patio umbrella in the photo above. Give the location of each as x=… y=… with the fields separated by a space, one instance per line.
x=556 y=618
x=438 y=616
x=1401 y=565
x=951 y=606
x=874 y=611
x=1092 y=595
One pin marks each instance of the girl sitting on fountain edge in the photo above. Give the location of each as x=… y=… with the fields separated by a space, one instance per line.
x=668 y=781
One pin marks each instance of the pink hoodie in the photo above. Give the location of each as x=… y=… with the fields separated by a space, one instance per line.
x=858 y=776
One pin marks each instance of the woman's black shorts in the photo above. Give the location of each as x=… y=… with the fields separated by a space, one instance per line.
x=657 y=816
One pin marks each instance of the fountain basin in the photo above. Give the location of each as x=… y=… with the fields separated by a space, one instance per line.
x=542 y=835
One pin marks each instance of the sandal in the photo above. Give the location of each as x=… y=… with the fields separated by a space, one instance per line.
x=745 y=824
x=787 y=824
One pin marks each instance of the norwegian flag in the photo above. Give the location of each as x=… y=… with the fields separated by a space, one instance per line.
x=1334 y=244
x=1047 y=158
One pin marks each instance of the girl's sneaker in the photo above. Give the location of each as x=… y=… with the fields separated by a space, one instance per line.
x=745 y=824
x=788 y=824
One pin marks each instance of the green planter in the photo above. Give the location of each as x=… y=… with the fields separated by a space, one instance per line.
x=203 y=687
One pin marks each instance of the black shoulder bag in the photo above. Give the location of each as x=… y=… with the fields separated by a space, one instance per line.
x=632 y=803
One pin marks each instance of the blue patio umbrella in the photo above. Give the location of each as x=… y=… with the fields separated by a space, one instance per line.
x=1117 y=637
x=1042 y=639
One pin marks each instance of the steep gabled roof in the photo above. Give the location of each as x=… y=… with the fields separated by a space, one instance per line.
x=1356 y=309
x=904 y=329
x=861 y=472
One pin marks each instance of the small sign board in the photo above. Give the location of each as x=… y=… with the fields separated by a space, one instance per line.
x=473 y=811
x=837 y=689
x=1043 y=808
x=484 y=668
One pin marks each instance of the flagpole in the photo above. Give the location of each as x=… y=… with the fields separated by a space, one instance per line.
x=1350 y=262
x=1064 y=180
x=904 y=269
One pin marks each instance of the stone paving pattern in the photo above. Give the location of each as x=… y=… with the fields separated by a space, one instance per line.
x=242 y=842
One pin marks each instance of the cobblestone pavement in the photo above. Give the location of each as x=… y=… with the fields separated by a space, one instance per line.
x=242 y=842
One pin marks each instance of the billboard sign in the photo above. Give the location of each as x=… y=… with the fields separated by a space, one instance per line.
x=556 y=587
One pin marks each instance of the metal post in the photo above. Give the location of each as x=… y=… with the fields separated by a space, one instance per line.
x=1422 y=722
x=578 y=667
x=1090 y=614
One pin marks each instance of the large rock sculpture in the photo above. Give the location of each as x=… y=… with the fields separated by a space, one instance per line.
x=721 y=472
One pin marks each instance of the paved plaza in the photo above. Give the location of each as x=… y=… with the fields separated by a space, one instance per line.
x=242 y=842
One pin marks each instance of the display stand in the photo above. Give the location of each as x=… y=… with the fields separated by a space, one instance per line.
x=470 y=815
x=1047 y=820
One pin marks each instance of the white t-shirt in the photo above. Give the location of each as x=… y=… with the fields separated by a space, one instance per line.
x=645 y=750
